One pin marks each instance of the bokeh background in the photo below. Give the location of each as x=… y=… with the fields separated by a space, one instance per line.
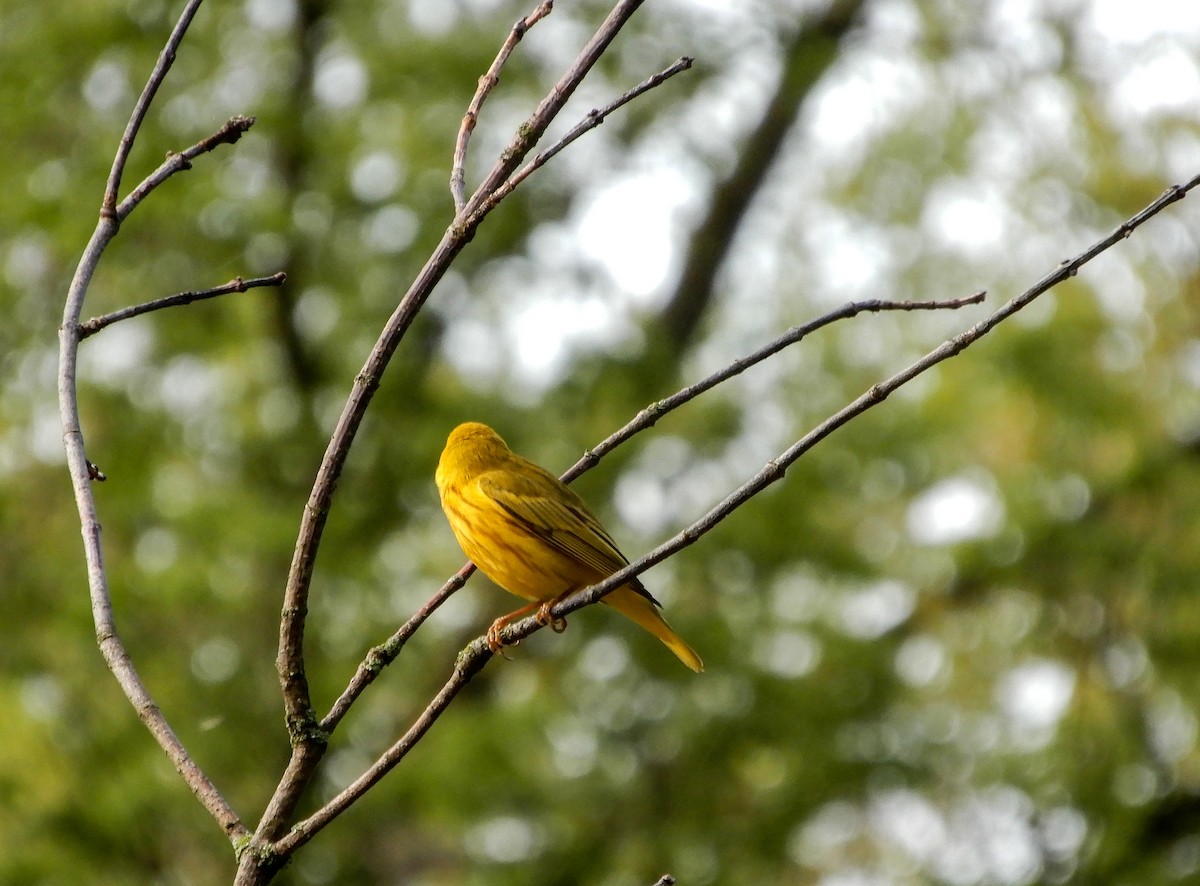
x=959 y=644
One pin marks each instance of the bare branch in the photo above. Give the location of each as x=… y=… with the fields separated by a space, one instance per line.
x=593 y=119
x=473 y=658
x=652 y=413
x=458 y=174
x=466 y=667
x=237 y=284
x=233 y=129
x=379 y=657
x=83 y=472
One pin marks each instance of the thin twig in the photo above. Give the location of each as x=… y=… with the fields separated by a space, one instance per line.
x=379 y=657
x=458 y=173
x=476 y=654
x=304 y=728
x=82 y=471
x=651 y=414
x=166 y=59
x=233 y=129
x=593 y=119
x=237 y=284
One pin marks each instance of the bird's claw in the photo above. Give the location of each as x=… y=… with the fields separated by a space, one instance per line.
x=495 y=643
x=558 y=625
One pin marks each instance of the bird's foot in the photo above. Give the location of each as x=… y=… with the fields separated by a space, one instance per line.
x=558 y=625
x=494 y=642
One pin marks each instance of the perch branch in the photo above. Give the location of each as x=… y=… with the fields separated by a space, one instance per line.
x=775 y=469
x=237 y=284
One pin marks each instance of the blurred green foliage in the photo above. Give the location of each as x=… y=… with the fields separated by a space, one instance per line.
x=956 y=645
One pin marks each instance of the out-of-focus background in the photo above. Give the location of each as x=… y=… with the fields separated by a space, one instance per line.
x=959 y=644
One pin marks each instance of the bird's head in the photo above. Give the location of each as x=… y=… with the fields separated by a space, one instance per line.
x=471 y=448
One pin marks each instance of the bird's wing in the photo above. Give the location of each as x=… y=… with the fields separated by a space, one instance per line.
x=536 y=504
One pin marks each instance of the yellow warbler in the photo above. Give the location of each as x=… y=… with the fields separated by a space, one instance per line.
x=530 y=534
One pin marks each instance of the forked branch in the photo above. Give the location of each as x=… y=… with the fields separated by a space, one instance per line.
x=233 y=129
x=593 y=119
x=488 y=82
x=83 y=472
x=166 y=59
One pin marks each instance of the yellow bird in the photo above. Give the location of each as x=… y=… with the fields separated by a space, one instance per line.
x=530 y=534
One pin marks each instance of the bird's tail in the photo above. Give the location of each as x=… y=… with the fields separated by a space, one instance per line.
x=641 y=610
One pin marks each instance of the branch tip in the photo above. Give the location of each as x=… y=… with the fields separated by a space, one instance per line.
x=487 y=82
x=178 y=161
x=526 y=132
